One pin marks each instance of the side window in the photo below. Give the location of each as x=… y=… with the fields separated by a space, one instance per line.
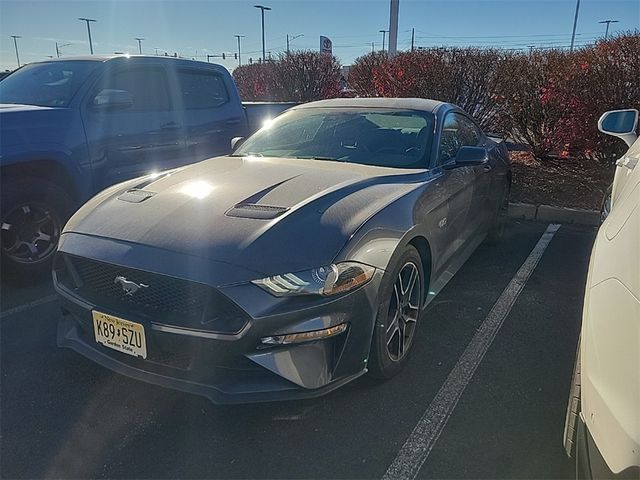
x=469 y=132
x=148 y=87
x=200 y=89
x=457 y=131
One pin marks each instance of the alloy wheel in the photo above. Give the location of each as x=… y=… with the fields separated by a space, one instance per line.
x=30 y=233
x=404 y=309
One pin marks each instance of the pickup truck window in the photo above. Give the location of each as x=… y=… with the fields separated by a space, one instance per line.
x=47 y=84
x=198 y=89
x=147 y=85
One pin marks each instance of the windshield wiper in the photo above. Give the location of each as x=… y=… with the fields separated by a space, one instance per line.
x=313 y=157
x=250 y=154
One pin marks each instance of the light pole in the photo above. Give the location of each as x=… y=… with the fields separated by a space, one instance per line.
x=139 y=44
x=15 y=44
x=88 y=20
x=608 y=22
x=239 y=57
x=393 y=27
x=58 y=47
x=384 y=37
x=264 y=50
x=575 y=23
x=292 y=39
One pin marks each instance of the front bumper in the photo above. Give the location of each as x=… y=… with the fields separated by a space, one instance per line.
x=237 y=368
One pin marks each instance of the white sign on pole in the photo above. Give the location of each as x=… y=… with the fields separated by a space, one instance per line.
x=326 y=46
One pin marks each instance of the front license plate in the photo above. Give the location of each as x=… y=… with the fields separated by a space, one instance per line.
x=119 y=334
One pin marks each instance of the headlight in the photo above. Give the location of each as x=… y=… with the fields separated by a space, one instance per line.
x=325 y=281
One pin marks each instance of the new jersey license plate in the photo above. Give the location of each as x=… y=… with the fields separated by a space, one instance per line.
x=119 y=334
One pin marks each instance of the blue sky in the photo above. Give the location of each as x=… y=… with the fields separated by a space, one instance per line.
x=204 y=27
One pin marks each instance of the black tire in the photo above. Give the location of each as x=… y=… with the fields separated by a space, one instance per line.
x=31 y=208
x=382 y=364
x=605 y=206
x=573 y=410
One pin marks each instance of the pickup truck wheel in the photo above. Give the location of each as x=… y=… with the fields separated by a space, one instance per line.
x=33 y=214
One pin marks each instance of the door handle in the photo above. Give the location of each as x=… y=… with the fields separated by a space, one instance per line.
x=170 y=126
x=487 y=167
x=233 y=122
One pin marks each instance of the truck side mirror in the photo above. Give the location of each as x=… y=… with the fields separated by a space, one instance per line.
x=109 y=99
x=236 y=142
x=620 y=123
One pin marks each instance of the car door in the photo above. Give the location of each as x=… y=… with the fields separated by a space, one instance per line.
x=459 y=187
x=208 y=108
x=143 y=137
x=482 y=208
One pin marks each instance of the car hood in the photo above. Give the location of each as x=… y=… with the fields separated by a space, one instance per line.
x=267 y=215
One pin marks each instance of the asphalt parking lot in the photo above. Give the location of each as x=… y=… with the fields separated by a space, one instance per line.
x=63 y=416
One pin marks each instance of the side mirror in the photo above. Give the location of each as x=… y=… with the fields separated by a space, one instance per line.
x=620 y=123
x=468 y=156
x=236 y=142
x=112 y=99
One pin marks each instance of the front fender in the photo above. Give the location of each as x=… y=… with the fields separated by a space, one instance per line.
x=384 y=235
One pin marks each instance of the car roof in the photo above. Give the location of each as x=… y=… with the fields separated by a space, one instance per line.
x=106 y=58
x=402 y=103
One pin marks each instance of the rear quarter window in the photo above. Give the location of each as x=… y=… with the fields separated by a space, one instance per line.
x=198 y=89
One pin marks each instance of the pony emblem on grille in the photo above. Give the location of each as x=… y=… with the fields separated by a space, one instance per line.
x=129 y=287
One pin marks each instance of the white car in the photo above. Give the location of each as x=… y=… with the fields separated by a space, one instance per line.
x=602 y=428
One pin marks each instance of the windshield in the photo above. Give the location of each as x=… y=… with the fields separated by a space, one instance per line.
x=50 y=84
x=374 y=136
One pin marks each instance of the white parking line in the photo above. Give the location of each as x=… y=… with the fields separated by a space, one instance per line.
x=418 y=446
x=27 y=306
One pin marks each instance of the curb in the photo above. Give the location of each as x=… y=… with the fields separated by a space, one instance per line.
x=549 y=214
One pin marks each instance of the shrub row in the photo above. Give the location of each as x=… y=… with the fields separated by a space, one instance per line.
x=296 y=77
x=550 y=100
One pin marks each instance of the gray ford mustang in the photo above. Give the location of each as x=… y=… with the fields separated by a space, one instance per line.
x=291 y=267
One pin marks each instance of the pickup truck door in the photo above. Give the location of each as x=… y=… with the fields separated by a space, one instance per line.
x=208 y=106
x=136 y=139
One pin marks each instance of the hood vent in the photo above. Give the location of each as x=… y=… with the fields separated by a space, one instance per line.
x=135 y=195
x=254 y=210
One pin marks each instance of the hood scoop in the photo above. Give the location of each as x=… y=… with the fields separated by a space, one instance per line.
x=256 y=211
x=135 y=195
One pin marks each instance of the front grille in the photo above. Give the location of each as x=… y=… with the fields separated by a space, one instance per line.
x=162 y=299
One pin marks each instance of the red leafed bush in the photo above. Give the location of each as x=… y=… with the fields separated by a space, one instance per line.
x=592 y=81
x=465 y=77
x=550 y=99
x=295 y=77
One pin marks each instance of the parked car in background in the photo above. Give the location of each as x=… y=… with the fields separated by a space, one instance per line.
x=294 y=265
x=602 y=428
x=72 y=127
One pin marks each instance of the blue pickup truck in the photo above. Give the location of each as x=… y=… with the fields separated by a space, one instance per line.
x=71 y=127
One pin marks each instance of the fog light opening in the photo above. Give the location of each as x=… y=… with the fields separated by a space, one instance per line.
x=291 y=338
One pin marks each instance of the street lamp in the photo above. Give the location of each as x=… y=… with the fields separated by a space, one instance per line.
x=58 y=47
x=139 y=44
x=88 y=20
x=608 y=22
x=239 y=57
x=15 y=44
x=384 y=36
x=292 y=39
x=264 y=50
